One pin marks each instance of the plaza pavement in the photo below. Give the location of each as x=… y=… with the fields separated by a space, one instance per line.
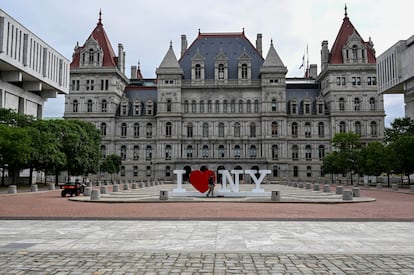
x=184 y=238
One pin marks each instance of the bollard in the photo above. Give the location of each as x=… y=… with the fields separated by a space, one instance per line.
x=347 y=195
x=366 y=184
x=316 y=187
x=300 y=185
x=134 y=185
x=326 y=188
x=163 y=195
x=379 y=185
x=12 y=189
x=126 y=186
x=308 y=186
x=339 y=190
x=51 y=186
x=295 y=184
x=104 y=190
x=87 y=191
x=115 y=188
x=275 y=196
x=395 y=187
x=412 y=188
x=141 y=185
x=355 y=192
x=33 y=188
x=95 y=195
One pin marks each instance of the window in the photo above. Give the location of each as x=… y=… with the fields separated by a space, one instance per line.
x=169 y=105
x=167 y=171
x=307 y=108
x=308 y=130
x=103 y=151
x=293 y=108
x=340 y=81
x=193 y=106
x=189 y=130
x=135 y=171
x=273 y=105
x=197 y=69
x=256 y=106
x=89 y=106
x=217 y=108
x=252 y=129
x=233 y=106
x=167 y=152
x=168 y=129
x=221 y=151
x=104 y=106
x=221 y=129
x=294 y=129
x=225 y=106
x=124 y=109
x=372 y=80
x=220 y=71
x=373 y=129
x=320 y=108
x=309 y=171
x=89 y=84
x=354 y=52
x=201 y=106
x=135 y=153
x=372 y=106
x=356 y=80
x=341 y=104
x=136 y=129
x=75 y=85
x=149 y=130
x=253 y=151
x=148 y=152
x=185 y=106
x=321 y=151
x=122 y=171
x=237 y=129
x=275 y=152
x=75 y=106
x=295 y=152
x=274 y=129
x=91 y=56
x=240 y=106
x=248 y=106
x=148 y=171
x=123 y=130
x=209 y=106
x=237 y=151
x=358 y=129
x=189 y=151
x=342 y=128
x=308 y=152
x=244 y=71
x=356 y=104
x=276 y=171
x=123 y=152
x=103 y=129
x=295 y=171
x=204 y=151
x=137 y=108
x=205 y=129
x=321 y=129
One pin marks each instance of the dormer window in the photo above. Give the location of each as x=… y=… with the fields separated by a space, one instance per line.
x=220 y=71
x=221 y=66
x=150 y=108
x=137 y=107
x=197 y=64
x=91 y=54
x=244 y=67
x=244 y=71
x=197 y=71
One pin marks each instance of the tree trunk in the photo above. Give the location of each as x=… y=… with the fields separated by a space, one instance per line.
x=30 y=176
x=2 y=175
x=56 y=177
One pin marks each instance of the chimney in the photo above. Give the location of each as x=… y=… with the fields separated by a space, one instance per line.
x=133 y=72
x=183 y=44
x=259 y=43
x=324 y=54
x=121 y=58
x=313 y=71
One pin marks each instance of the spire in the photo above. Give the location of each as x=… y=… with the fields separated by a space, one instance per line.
x=100 y=18
x=346 y=11
x=170 y=65
x=273 y=63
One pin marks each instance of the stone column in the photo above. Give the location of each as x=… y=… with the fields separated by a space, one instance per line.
x=355 y=192
x=51 y=186
x=87 y=191
x=115 y=188
x=13 y=189
x=134 y=185
x=104 y=190
x=163 y=195
x=395 y=187
x=347 y=195
x=95 y=195
x=316 y=187
x=339 y=190
x=275 y=196
x=34 y=188
x=326 y=188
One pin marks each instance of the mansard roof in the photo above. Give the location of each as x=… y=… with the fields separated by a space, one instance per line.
x=232 y=45
x=345 y=32
x=99 y=35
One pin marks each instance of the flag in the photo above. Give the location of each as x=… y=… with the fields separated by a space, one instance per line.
x=303 y=62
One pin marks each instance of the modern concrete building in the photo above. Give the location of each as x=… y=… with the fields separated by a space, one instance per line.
x=224 y=105
x=395 y=69
x=30 y=70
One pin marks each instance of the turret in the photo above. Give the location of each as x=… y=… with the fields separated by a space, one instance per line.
x=324 y=54
x=259 y=43
x=184 y=44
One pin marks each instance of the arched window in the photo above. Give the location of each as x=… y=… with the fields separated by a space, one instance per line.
x=148 y=152
x=189 y=129
x=248 y=106
x=221 y=151
x=356 y=104
x=321 y=129
x=167 y=171
x=205 y=129
x=354 y=52
x=75 y=106
x=103 y=129
x=253 y=151
x=342 y=127
x=274 y=129
x=341 y=104
x=256 y=106
x=221 y=129
x=224 y=106
x=237 y=151
x=136 y=129
x=91 y=54
x=167 y=152
x=308 y=152
x=308 y=171
x=189 y=151
x=244 y=71
x=217 y=108
x=168 y=129
x=185 y=106
x=237 y=129
x=294 y=129
x=321 y=151
x=123 y=130
x=89 y=106
x=104 y=106
x=209 y=106
x=103 y=151
x=358 y=128
x=149 y=130
x=220 y=71
x=252 y=129
x=308 y=129
x=232 y=106
x=135 y=153
x=273 y=105
x=193 y=106
x=122 y=171
x=372 y=104
x=295 y=171
x=169 y=105
x=204 y=151
x=123 y=152
x=295 y=152
x=201 y=106
x=240 y=106
x=275 y=152
x=373 y=129
x=197 y=69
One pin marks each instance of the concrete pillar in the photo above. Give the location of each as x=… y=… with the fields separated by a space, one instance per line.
x=395 y=187
x=355 y=192
x=12 y=189
x=141 y=185
x=295 y=184
x=316 y=187
x=379 y=185
x=95 y=195
x=347 y=195
x=339 y=190
x=34 y=188
x=134 y=185
x=51 y=186
x=104 y=189
x=115 y=188
x=163 y=195
x=412 y=188
x=308 y=186
x=300 y=185
x=87 y=191
x=275 y=196
x=126 y=186
x=326 y=188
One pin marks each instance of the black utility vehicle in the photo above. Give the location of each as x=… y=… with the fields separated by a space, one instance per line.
x=71 y=188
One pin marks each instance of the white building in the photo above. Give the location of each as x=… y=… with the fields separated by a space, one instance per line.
x=395 y=68
x=30 y=70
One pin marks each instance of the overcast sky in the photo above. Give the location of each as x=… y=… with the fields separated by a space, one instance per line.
x=145 y=28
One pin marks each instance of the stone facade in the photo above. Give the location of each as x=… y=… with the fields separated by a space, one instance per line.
x=223 y=106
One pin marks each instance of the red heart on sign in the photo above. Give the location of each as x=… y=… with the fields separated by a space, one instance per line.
x=200 y=179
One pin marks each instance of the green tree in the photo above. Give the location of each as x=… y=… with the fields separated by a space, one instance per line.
x=111 y=164
x=403 y=149
x=348 y=147
x=11 y=118
x=399 y=127
x=373 y=158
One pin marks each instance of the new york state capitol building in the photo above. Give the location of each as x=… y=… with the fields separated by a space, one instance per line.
x=225 y=104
